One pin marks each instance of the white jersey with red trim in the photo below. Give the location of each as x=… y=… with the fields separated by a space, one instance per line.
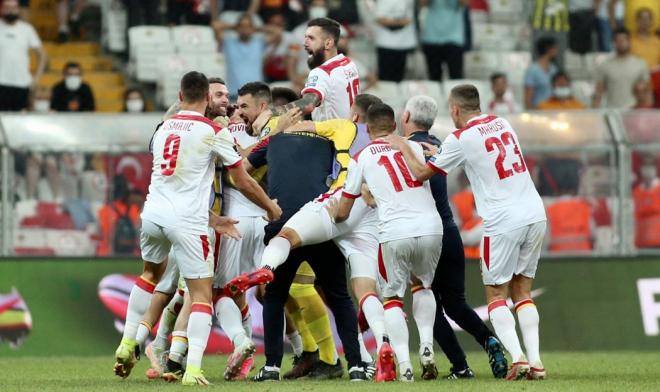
x=504 y=193
x=406 y=207
x=336 y=82
x=236 y=204
x=184 y=151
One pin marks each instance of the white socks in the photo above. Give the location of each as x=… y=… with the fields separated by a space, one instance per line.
x=142 y=332
x=365 y=355
x=138 y=302
x=167 y=320
x=374 y=312
x=230 y=320
x=276 y=252
x=179 y=346
x=296 y=343
x=397 y=330
x=424 y=308
x=199 y=328
x=528 y=318
x=505 y=327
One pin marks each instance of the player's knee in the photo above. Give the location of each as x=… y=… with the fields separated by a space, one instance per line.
x=290 y=235
x=153 y=272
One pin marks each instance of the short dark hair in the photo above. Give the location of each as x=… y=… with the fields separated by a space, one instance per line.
x=621 y=30
x=257 y=90
x=544 y=44
x=466 y=97
x=218 y=80
x=194 y=86
x=284 y=93
x=365 y=101
x=329 y=26
x=496 y=75
x=70 y=64
x=560 y=74
x=380 y=117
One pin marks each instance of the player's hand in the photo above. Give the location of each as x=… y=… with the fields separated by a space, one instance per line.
x=395 y=141
x=275 y=212
x=288 y=119
x=332 y=206
x=368 y=197
x=224 y=225
x=260 y=122
x=429 y=149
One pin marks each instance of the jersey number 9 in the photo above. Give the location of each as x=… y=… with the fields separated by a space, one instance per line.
x=170 y=154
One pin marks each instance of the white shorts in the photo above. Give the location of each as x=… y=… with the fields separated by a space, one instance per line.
x=244 y=255
x=314 y=226
x=169 y=282
x=514 y=253
x=399 y=258
x=192 y=253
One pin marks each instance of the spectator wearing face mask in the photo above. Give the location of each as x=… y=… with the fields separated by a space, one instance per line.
x=134 y=101
x=41 y=102
x=562 y=95
x=17 y=38
x=72 y=94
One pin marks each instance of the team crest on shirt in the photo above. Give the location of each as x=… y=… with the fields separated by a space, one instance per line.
x=350 y=73
x=264 y=132
x=311 y=82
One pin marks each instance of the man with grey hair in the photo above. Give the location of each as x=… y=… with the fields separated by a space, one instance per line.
x=449 y=283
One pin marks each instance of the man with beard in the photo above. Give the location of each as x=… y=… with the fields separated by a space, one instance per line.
x=298 y=167
x=334 y=82
x=166 y=289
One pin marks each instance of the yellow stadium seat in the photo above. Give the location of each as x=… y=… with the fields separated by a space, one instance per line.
x=70 y=49
x=109 y=106
x=110 y=93
x=88 y=63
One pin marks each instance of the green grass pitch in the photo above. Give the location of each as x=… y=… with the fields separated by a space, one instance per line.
x=575 y=371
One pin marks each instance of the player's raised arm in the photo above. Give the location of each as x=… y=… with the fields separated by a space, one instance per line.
x=421 y=171
x=306 y=104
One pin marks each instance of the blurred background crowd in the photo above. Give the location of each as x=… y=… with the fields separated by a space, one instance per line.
x=127 y=56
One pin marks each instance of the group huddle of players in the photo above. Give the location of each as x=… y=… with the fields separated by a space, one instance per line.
x=342 y=188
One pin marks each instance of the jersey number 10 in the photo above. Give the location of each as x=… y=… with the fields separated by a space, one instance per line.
x=384 y=161
x=170 y=154
x=353 y=89
x=507 y=139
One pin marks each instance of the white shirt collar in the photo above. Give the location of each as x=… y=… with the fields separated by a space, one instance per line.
x=190 y=113
x=339 y=56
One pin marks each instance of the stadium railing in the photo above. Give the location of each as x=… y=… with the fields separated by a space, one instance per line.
x=590 y=157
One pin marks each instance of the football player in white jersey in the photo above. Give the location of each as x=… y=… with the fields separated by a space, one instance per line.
x=166 y=293
x=410 y=236
x=176 y=216
x=239 y=256
x=513 y=215
x=334 y=82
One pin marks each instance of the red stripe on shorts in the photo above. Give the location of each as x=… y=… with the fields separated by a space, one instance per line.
x=381 y=264
x=205 y=246
x=216 y=251
x=487 y=252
